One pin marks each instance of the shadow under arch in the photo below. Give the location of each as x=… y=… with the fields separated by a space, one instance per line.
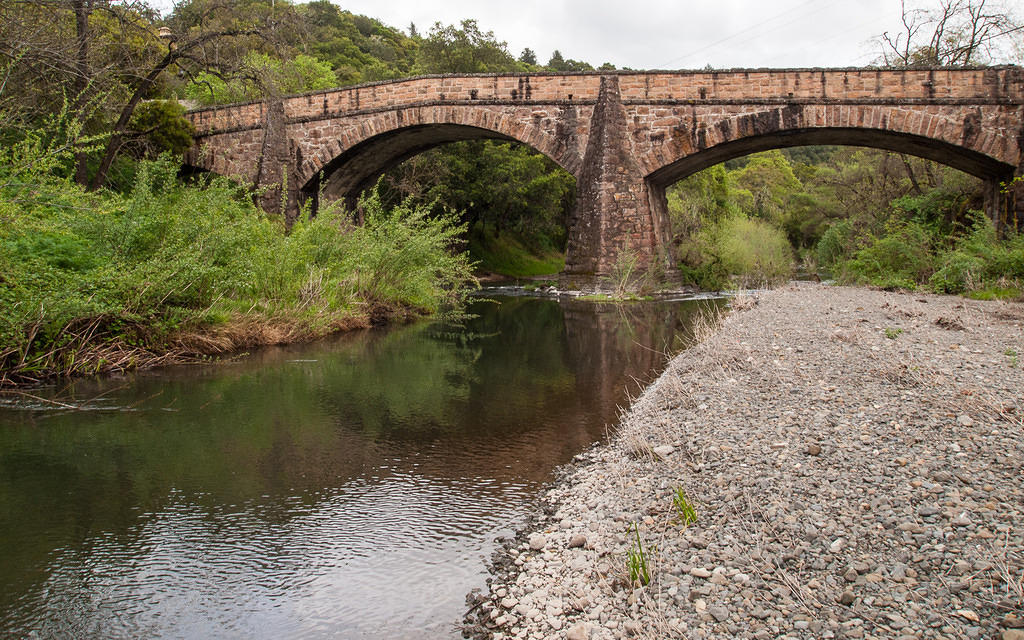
x=357 y=168
x=966 y=160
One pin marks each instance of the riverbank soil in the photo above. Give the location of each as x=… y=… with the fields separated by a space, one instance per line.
x=855 y=462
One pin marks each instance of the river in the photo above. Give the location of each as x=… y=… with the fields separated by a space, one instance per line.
x=353 y=487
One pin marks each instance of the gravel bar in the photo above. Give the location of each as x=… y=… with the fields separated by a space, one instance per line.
x=855 y=462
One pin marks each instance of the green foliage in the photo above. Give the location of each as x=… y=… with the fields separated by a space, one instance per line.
x=835 y=245
x=561 y=64
x=636 y=561
x=892 y=334
x=508 y=255
x=261 y=75
x=685 y=509
x=754 y=250
x=357 y=48
x=401 y=256
x=164 y=126
x=82 y=272
x=912 y=254
x=897 y=260
x=502 y=187
x=451 y=49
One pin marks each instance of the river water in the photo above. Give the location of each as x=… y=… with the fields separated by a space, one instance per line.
x=348 y=488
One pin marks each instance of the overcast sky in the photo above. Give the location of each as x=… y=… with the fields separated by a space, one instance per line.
x=665 y=34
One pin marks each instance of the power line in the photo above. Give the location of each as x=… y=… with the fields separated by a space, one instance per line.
x=758 y=26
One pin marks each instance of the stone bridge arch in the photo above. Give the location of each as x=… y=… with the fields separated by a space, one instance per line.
x=981 y=140
x=352 y=155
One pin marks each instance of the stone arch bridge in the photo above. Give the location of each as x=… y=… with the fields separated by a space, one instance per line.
x=625 y=136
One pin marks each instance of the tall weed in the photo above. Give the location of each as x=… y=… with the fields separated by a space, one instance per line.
x=81 y=270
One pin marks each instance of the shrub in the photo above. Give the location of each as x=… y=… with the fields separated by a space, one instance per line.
x=835 y=245
x=81 y=270
x=898 y=260
x=754 y=251
x=958 y=272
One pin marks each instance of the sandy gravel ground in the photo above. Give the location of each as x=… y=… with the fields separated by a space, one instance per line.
x=856 y=464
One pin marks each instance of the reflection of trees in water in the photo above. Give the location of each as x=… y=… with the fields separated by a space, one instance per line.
x=523 y=388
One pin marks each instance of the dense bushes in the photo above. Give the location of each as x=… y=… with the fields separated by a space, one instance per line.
x=92 y=281
x=723 y=229
x=912 y=255
x=863 y=216
x=739 y=251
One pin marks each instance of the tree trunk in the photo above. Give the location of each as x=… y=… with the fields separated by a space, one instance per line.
x=82 y=10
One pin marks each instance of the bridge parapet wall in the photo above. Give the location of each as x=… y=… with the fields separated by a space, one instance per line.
x=1003 y=85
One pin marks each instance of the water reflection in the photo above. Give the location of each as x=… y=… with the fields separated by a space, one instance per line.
x=352 y=487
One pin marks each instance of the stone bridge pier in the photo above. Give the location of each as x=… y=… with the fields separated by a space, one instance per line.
x=624 y=136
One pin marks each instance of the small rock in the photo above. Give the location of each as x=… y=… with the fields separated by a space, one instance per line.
x=719 y=613
x=1011 y=621
x=962 y=520
x=1013 y=634
x=814 y=449
x=965 y=420
x=664 y=450
x=578 y=632
x=700 y=572
x=837 y=545
x=577 y=541
x=850 y=575
x=847 y=598
x=537 y=541
x=760 y=613
x=967 y=614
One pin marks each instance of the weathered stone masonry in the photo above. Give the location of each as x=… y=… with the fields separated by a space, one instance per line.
x=624 y=136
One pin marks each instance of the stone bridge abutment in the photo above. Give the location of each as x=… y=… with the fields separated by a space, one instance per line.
x=625 y=136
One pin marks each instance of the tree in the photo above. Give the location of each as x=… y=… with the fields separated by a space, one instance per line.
x=528 y=56
x=448 y=49
x=558 y=63
x=110 y=57
x=956 y=33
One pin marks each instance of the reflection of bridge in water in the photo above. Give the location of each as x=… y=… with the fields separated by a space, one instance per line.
x=624 y=136
x=615 y=347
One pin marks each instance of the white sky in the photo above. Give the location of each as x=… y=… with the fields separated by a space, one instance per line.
x=665 y=34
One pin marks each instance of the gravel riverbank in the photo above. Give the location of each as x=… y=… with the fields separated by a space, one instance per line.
x=856 y=463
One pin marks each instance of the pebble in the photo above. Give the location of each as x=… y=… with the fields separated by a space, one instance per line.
x=664 y=450
x=719 y=613
x=538 y=541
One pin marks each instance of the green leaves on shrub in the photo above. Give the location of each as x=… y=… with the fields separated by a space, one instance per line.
x=912 y=255
x=167 y=256
x=898 y=260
